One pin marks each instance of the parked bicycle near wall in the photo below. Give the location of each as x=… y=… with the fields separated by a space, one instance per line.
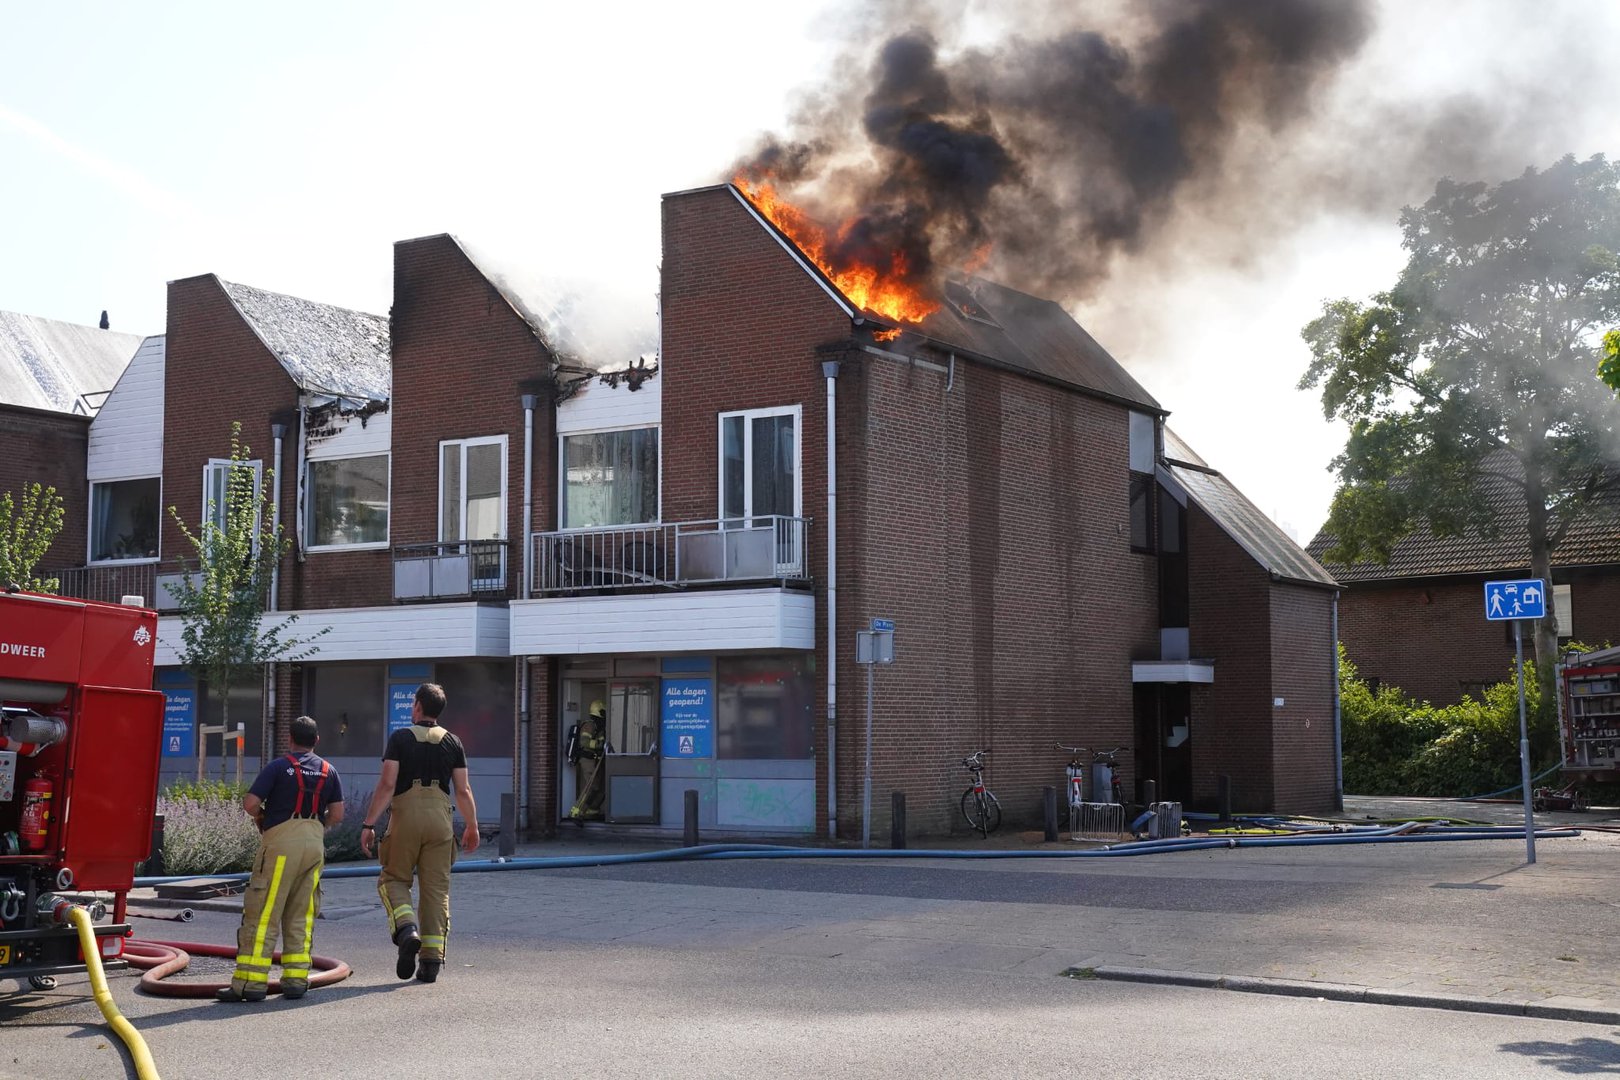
x=1105 y=783
x=1074 y=774
x=979 y=805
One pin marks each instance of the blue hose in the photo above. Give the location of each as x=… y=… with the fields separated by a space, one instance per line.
x=1515 y=787
x=775 y=851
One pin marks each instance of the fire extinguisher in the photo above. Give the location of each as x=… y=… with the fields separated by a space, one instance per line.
x=36 y=813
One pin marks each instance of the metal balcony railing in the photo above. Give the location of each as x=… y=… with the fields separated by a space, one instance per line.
x=451 y=570
x=771 y=547
x=109 y=582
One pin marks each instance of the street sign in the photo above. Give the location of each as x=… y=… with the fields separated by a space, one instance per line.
x=883 y=624
x=874 y=646
x=1524 y=599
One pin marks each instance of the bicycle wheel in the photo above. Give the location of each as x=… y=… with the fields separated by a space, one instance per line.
x=970 y=810
x=992 y=814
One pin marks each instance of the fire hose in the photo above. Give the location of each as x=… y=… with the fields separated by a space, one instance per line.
x=145 y=1069
x=161 y=959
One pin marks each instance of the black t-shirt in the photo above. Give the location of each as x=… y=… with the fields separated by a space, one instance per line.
x=421 y=760
x=277 y=786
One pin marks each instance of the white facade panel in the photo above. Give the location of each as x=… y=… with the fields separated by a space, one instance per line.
x=349 y=436
x=598 y=407
x=403 y=632
x=126 y=437
x=722 y=620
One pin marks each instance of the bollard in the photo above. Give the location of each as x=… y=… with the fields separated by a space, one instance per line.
x=897 y=821
x=691 y=802
x=154 y=861
x=1049 y=797
x=507 y=844
x=1150 y=793
x=1224 y=788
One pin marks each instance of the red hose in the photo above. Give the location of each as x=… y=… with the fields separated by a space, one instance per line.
x=160 y=959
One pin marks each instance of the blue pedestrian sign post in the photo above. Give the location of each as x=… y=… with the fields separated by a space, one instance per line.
x=1519 y=600
x=1515 y=600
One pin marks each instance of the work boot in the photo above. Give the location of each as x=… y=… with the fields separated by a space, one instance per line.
x=428 y=970
x=232 y=994
x=294 y=991
x=410 y=943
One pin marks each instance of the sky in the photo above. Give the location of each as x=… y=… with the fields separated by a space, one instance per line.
x=288 y=147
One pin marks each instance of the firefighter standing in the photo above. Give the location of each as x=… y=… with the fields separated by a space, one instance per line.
x=422 y=766
x=587 y=742
x=294 y=800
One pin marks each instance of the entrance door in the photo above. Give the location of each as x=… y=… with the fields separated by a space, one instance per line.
x=632 y=752
x=1164 y=738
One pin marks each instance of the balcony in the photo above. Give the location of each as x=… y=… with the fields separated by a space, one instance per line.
x=674 y=555
x=451 y=570
x=110 y=582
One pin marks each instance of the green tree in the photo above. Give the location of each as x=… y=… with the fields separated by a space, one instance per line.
x=1477 y=364
x=1609 y=365
x=28 y=526
x=221 y=596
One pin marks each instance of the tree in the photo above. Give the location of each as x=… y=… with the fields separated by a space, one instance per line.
x=1609 y=365
x=221 y=595
x=28 y=526
x=1477 y=364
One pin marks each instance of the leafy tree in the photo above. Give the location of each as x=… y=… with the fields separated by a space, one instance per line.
x=28 y=526
x=1476 y=364
x=1609 y=366
x=222 y=593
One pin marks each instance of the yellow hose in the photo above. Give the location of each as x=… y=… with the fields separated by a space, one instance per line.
x=144 y=1068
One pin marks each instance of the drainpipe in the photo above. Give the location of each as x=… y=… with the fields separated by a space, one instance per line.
x=525 y=711
x=298 y=488
x=1338 y=735
x=267 y=723
x=829 y=369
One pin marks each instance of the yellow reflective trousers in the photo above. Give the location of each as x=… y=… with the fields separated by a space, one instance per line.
x=283 y=898
x=421 y=843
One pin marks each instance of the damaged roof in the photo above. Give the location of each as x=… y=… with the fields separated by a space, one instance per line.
x=325 y=349
x=992 y=323
x=1593 y=538
x=60 y=366
x=1240 y=519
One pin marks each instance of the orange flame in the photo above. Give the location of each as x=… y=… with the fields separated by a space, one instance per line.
x=865 y=286
x=886 y=335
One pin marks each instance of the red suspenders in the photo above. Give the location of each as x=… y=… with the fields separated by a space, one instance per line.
x=314 y=799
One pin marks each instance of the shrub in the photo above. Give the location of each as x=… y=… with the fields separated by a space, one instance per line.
x=205 y=830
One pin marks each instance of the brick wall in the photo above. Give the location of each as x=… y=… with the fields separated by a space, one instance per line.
x=50 y=448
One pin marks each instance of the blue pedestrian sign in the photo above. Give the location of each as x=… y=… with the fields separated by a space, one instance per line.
x=1515 y=600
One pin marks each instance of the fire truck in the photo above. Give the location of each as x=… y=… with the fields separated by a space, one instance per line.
x=1588 y=725
x=80 y=740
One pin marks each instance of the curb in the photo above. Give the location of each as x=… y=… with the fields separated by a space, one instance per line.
x=1255 y=984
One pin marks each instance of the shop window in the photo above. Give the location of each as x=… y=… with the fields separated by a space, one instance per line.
x=764 y=707
x=610 y=478
x=124 y=519
x=348 y=502
x=480 y=705
x=349 y=704
x=247 y=709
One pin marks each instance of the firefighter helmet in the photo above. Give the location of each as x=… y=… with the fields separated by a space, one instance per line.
x=598 y=710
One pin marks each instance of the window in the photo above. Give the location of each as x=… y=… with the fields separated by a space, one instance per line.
x=1563 y=612
x=609 y=478
x=349 y=702
x=1142 y=486
x=472 y=489
x=348 y=502
x=480 y=695
x=124 y=519
x=759 y=463
x=216 y=476
x=764 y=706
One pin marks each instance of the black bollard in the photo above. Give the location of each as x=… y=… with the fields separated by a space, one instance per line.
x=1150 y=792
x=507 y=844
x=897 y=821
x=691 y=838
x=154 y=861
x=1224 y=788
x=1049 y=798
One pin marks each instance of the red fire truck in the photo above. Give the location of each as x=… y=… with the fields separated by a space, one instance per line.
x=80 y=738
x=1588 y=725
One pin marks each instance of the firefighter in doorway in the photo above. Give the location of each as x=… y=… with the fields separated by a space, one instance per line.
x=587 y=742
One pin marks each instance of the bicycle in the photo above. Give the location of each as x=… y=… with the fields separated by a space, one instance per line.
x=979 y=805
x=1104 y=768
x=1075 y=776
x=1104 y=760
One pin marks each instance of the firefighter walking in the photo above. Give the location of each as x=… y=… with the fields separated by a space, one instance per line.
x=587 y=744
x=423 y=765
x=294 y=800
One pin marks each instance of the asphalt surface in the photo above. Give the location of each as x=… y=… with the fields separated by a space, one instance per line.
x=921 y=966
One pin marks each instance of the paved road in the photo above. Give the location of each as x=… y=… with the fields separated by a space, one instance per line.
x=910 y=968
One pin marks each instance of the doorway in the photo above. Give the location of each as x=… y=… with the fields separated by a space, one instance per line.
x=1164 y=739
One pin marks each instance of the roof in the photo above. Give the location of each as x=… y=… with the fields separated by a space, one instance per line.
x=1007 y=328
x=1240 y=519
x=325 y=349
x=1592 y=540
x=59 y=366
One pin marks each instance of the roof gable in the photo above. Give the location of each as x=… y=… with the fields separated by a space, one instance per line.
x=59 y=366
x=327 y=350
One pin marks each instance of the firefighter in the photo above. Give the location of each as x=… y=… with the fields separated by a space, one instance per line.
x=294 y=800
x=423 y=765
x=587 y=742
